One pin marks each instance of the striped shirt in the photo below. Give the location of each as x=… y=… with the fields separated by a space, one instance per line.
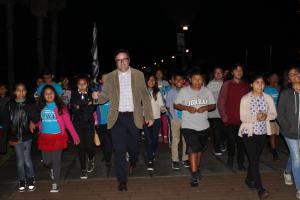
x=126 y=98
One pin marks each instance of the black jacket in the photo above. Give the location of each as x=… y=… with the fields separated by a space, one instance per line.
x=288 y=113
x=82 y=107
x=17 y=120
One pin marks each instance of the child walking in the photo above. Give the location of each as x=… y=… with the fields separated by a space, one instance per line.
x=52 y=134
x=18 y=118
x=257 y=109
x=195 y=101
x=151 y=133
x=176 y=117
x=83 y=120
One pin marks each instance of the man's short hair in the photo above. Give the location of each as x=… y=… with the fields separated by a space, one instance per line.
x=121 y=51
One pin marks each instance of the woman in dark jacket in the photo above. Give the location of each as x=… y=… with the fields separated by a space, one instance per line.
x=288 y=118
x=18 y=122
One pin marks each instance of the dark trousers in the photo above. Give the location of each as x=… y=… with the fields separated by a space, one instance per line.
x=86 y=146
x=106 y=142
x=52 y=160
x=234 y=140
x=254 y=146
x=124 y=138
x=217 y=127
x=151 y=138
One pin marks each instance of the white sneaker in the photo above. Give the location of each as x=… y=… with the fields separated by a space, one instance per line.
x=298 y=194
x=288 y=179
x=54 y=188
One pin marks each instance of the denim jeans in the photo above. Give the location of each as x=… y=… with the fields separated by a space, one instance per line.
x=23 y=153
x=151 y=138
x=293 y=164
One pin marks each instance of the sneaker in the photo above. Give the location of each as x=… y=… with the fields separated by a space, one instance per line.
x=298 y=194
x=218 y=152
x=22 y=186
x=31 y=184
x=175 y=165
x=83 y=174
x=223 y=148
x=194 y=182
x=288 y=178
x=186 y=163
x=91 y=165
x=150 y=166
x=54 y=188
x=51 y=174
x=250 y=184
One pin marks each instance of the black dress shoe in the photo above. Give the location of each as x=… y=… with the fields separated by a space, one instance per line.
x=263 y=194
x=122 y=186
x=251 y=184
x=132 y=167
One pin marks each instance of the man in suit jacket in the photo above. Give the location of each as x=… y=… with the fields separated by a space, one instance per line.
x=130 y=108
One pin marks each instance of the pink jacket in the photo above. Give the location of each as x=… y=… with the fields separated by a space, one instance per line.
x=64 y=122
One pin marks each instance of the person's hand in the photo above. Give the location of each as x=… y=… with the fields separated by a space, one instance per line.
x=163 y=109
x=191 y=109
x=76 y=142
x=150 y=122
x=95 y=95
x=31 y=127
x=202 y=109
x=261 y=116
x=77 y=106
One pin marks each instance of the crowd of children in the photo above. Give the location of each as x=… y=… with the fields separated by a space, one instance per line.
x=238 y=114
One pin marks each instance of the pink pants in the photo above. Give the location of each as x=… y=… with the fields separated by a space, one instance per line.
x=164 y=128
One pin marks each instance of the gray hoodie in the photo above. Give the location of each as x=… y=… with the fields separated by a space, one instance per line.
x=288 y=113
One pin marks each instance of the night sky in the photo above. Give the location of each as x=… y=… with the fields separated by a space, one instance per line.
x=220 y=31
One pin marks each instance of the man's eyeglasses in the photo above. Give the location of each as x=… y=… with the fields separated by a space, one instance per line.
x=124 y=60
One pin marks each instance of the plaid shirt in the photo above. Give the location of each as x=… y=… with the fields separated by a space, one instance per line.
x=126 y=99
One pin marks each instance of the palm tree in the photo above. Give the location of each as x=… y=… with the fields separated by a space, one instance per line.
x=42 y=9
x=10 y=40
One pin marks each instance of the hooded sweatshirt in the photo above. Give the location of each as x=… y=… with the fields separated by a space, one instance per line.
x=288 y=113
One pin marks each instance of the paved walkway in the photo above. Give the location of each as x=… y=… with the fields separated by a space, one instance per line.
x=219 y=182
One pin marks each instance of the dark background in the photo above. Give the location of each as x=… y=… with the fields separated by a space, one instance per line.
x=220 y=31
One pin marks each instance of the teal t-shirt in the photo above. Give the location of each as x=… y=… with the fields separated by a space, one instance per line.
x=49 y=122
x=273 y=92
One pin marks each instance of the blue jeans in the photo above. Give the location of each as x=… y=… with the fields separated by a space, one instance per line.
x=293 y=164
x=151 y=138
x=23 y=153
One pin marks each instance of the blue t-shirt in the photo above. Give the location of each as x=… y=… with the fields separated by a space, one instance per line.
x=102 y=113
x=49 y=121
x=58 y=89
x=273 y=92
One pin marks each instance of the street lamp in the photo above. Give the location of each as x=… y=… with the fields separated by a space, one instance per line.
x=187 y=51
x=162 y=60
x=185 y=27
x=173 y=57
x=155 y=63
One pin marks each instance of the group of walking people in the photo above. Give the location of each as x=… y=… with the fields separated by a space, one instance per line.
x=240 y=116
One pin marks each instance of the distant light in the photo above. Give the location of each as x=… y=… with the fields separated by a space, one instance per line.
x=162 y=61
x=155 y=63
x=173 y=57
x=185 y=27
x=187 y=51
